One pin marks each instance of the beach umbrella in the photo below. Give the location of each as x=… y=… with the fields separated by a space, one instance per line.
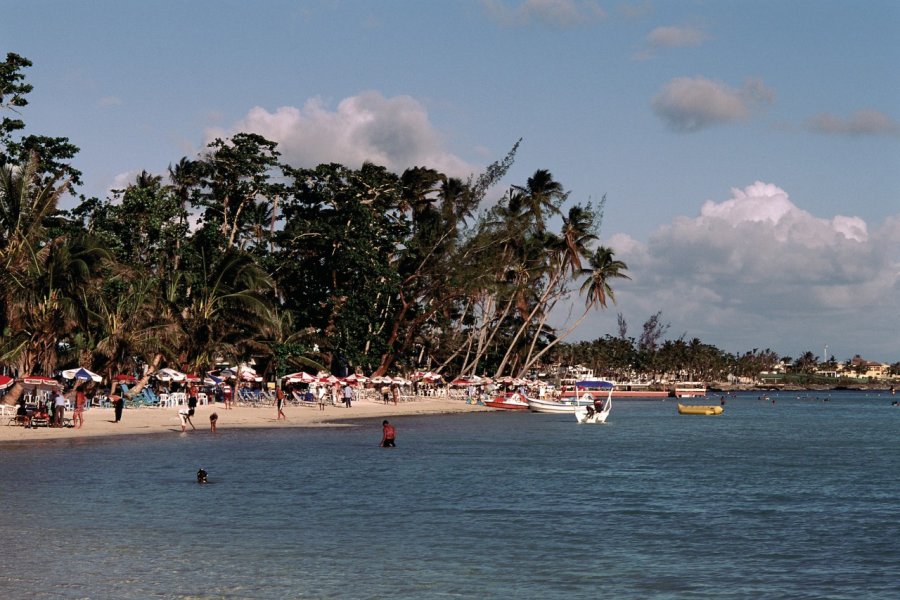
x=39 y=380
x=211 y=379
x=6 y=381
x=123 y=377
x=300 y=377
x=81 y=373
x=191 y=378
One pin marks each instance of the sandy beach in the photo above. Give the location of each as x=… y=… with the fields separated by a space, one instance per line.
x=99 y=422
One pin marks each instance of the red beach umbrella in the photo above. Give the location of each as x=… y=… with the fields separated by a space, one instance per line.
x=6 y=381
x=124 y=377
x=39 y=380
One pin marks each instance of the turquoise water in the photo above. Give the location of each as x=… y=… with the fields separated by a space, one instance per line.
x=793 y=500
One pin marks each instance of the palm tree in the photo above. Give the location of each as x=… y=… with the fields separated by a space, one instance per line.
x=131 y=323
x=39 y=277
x=226 y=310
x=541 y=192
x=603 y=268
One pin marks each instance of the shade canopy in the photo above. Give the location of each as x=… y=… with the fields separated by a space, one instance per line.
x=6 y=381
x=82 y=374
x=300 y=377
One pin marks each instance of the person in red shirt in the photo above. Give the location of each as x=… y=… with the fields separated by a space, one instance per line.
x=279 y=403
x=388 y=435
x=78 y=415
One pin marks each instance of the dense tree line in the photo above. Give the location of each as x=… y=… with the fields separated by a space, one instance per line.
x=234 y=254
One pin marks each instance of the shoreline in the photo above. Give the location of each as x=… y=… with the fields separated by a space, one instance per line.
x=99 y=422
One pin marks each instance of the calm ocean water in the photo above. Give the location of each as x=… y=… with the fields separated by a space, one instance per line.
x=797 y=499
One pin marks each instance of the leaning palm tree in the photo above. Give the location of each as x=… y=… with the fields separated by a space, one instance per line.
x=603 y=268
x=597 y=289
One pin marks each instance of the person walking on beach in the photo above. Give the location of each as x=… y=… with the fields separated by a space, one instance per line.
x=59 y=409
x=78 y=415
x=388 y=434
x=226 y=395
x=395 y=392
x=348 y=395
x=385 y=393
x=279 y=402
x=213 y=419
x=119 y=405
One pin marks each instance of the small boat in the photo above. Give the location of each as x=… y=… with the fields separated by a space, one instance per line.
x=699 y=409
x=512 y=402
x=689 y=389
x=564 y=405
x=595 y=412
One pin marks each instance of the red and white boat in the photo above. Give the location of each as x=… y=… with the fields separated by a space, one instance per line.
x=513 y=401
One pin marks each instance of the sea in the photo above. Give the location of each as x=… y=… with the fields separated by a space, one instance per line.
x=783 y=496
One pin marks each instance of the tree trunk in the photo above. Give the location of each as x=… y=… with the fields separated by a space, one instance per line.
x=142 y=382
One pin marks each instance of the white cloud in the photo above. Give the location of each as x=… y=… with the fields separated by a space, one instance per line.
x=392 y=132
x=560 y=14
x=690 y=104
x=676 y=37
x=861 y=122
x=757 y=271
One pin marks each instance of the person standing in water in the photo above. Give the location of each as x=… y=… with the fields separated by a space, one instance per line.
x=388 y=435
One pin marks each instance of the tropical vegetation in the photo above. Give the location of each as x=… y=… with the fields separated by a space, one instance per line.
x=235 y=255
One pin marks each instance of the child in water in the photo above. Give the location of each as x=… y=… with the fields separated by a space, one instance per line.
x=201 y=476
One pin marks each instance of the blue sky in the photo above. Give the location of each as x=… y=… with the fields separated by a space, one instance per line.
x=749 y=150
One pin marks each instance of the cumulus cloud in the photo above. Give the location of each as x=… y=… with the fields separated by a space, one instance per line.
x=673 y=36
x=676 y=37
x=392 y=132
x=689 y=104
x=559 y=14
x=862 y=122
x=755 y=270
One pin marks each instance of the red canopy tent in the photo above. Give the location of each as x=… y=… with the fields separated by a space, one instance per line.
x=6 y=381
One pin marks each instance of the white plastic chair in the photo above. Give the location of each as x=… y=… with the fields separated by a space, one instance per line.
x=164 y=401
x=201 y=398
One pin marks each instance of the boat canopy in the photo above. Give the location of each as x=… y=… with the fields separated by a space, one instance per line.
x=595 y=384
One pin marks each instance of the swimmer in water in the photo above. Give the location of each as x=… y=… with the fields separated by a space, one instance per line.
x=201 y=476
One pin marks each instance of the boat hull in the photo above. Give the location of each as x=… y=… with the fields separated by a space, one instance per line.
x=708 y=410
x=556 y=406
x=583 y=415
x=514 y=402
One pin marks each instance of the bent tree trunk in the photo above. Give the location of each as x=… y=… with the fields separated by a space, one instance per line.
x=142 y=382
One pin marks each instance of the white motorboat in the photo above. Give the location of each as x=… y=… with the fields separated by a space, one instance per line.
x=565 y=405
x=597 y=412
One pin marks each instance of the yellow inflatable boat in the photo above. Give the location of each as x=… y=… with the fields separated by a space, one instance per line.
x=685 y=409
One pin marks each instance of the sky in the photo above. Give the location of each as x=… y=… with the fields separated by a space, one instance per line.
x=749 y=151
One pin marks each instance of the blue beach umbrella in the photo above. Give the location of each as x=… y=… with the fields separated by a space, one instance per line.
x=81 y=373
